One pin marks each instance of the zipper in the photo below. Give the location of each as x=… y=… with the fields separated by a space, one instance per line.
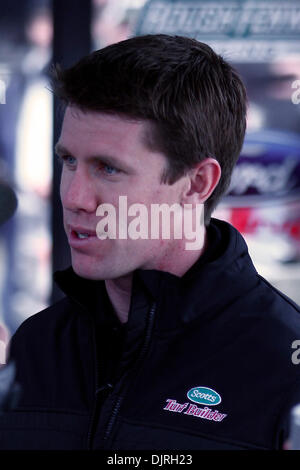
x=96 y=400
x=106 y=389
x=101 y=393
x=120 y=398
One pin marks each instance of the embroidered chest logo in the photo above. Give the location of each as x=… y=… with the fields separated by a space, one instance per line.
x=202 y=396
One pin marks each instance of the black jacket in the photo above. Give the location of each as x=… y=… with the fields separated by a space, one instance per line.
x=204 y=361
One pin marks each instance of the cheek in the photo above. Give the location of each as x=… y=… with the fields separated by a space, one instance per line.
x=150 y=196
x=167 y=194
x=63 y=185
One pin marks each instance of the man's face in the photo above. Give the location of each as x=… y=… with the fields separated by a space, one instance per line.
x=104 y=157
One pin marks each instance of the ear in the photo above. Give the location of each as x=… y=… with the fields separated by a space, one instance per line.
x=203 y=179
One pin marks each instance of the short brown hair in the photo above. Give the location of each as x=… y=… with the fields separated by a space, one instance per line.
x=194 y=99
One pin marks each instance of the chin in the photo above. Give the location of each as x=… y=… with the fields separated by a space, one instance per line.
x=85 y=272
x=85 y=268
x=95 y=272
x=102 y=268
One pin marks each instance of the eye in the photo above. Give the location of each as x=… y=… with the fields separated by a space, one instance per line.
x=68 y=160
x=110 y=170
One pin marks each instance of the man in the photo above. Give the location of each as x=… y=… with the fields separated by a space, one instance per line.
x=156 y=345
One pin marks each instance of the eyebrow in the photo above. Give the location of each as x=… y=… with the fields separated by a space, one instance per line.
x=106 y=159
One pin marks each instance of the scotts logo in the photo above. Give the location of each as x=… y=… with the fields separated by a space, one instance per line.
x=204 y=396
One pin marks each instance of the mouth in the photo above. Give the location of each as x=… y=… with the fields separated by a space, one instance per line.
x=80 y=236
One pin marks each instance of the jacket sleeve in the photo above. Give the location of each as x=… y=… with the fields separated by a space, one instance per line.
x=283 y=434
x=10 y=388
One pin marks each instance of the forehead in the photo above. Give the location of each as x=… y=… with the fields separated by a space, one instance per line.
x=88 y=129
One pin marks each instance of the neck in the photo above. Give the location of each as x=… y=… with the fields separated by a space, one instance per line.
x=119 y=293
x=119 y=289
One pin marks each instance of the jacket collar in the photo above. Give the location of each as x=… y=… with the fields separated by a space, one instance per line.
x=223 y=273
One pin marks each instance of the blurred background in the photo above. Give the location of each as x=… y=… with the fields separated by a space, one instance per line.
x=260 y=38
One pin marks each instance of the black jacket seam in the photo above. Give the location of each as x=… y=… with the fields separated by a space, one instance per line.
x=45 y=427
x=284 y=297
x=30 y=409
x=204 y=435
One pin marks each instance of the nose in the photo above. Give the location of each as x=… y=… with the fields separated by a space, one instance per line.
x=77 y=192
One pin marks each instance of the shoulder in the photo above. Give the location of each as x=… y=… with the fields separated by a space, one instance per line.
x=277 y=307
x=46 y=318
x=42 y=329
x=276 y=317
x=270 y=325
